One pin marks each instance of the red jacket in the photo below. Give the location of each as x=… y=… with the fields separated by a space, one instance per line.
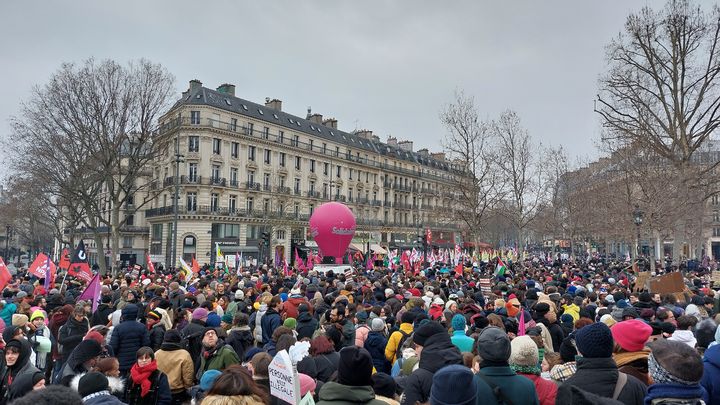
x=290 y=307
x=546 y=389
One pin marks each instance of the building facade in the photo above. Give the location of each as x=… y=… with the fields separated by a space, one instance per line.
x=244 y=169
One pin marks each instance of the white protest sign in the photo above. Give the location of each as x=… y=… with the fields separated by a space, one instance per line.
x=284 y=381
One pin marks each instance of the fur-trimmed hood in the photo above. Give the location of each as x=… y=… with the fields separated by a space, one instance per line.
x=117 y=385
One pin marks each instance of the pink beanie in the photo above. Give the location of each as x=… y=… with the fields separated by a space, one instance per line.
x=307 y=384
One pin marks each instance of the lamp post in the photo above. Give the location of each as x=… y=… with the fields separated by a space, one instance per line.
x=638 y=220
x=8 y=229
x=178 y=159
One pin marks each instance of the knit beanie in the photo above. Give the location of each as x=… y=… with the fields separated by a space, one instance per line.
x=290 y=323
x=384 y=385
x=154 y=315
x=37 y=314
x=631 y=335
x=458 y=322
x=428 y=329
x=355 y=367
x=541 y=308
x=307 y=384
x=377 y=325
x=453 y=385
x=227 y=318
x=524 y=352
x=91 y=383
x=19 y=320
x=672 y=362
x=493 y=345
x=199 y=313
x=594 y=341
x=208 y=379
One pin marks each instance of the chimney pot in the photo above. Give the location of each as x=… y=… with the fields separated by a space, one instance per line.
x=275 y=104
x=195 y=85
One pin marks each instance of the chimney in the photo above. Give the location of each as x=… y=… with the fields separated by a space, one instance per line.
x=424 y=152
x=438 y=156
x=195 y=85
x=275 y=104
x=376 y=138
x=365 y=134
x=316 y=118
x=406 y=145
x=330 y=123
x=392 y=141
x=227 y=88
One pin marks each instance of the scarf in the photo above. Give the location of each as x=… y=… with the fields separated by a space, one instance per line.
x=525 y=369
x=674 y=391
x=141 y=375
x=628 y=357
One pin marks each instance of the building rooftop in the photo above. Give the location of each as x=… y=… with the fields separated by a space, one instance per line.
x=199 y=95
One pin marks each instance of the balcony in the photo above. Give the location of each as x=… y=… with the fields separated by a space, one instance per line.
x=190 y=179
x=313 y=194
x=252 y=186
x=388 y=204
x=297 y=191
x=341 y=198
x=282 y=190
x=362 y=200
x=267 y=187
x=234 y=183
x=217 y=181
x=376 y=203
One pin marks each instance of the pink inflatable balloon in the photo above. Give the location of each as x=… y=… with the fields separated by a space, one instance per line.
x=332 y=225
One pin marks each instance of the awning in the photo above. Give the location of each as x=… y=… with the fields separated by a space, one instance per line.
x=378 y=249
x=355 y=246
x=232 y=249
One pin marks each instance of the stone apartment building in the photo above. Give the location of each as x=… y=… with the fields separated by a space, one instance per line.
x=248 y=169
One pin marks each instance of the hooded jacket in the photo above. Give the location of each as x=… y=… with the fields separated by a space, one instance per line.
x=269 y=322
x=128 y=338
x=86 y=350
x=333 y=393
x=221 y=357
x=375 y=345
x=21 y=367
x=257 y=321
x=70 y=335
x=22 y=385
x=711 y=373
x=100 y=316
x=241 y=340
x=290 y=307
x=306 y=325
x=437 y=353
x=394 y=340
x=116 y=384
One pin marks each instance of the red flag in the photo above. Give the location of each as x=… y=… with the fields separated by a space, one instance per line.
x=39 y=267
x=151 y=266
x=5 y=275
x=64 y=260
x=79 y=266
x=459 y=269
x=195 y=266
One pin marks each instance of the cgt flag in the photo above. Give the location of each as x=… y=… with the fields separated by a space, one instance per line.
x=41 y=266
x=79 y=266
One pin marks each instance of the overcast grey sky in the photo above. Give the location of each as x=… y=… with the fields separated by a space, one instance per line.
x=387 y=66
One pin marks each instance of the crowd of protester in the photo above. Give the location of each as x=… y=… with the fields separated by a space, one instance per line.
x=543 y=333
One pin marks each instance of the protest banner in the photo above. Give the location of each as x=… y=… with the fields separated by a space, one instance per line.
x=284 y=381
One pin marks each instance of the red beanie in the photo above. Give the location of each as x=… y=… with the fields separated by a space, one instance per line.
x=631 y=335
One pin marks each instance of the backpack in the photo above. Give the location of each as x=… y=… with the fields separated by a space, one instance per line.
x=401 y=343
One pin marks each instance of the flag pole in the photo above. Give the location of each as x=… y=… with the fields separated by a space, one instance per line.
x=62 y=284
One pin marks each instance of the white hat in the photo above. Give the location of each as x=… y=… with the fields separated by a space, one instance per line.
x=239 y=295
x=389 y=292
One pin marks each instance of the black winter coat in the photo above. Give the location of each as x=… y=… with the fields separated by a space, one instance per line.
x=270 y=321
x=306 y=325
x=326 y=365
x=599 y=376
x=70 y=334
x=193 y=333
x=126 y=339
x=437 y=353
x=240 y=339
x=157 y=334
x=159 y=394
x=100 y=317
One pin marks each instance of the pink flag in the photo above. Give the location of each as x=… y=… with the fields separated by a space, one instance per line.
x=521 y=322
x=92 y=292
x=286 y=269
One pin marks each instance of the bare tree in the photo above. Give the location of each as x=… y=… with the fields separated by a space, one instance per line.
x=522 y=167
x=661 y=93
x=90 y=133
x=467 y=144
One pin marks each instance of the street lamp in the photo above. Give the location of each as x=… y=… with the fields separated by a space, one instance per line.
x=638 y=219
x=178 y=159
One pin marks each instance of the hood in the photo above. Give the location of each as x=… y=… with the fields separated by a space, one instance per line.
x=130 y=312
x=439 y=352
x=22 y=385
x=332 y=391
x=712 y=356
x=165 y=320
x=116 y=383
x=24 y=357
x=304 y=317
x=84 y=351
x=684 y=336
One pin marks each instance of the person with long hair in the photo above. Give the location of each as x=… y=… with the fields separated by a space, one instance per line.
x=326 y=358
x=146 y=385
x=235 y=386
